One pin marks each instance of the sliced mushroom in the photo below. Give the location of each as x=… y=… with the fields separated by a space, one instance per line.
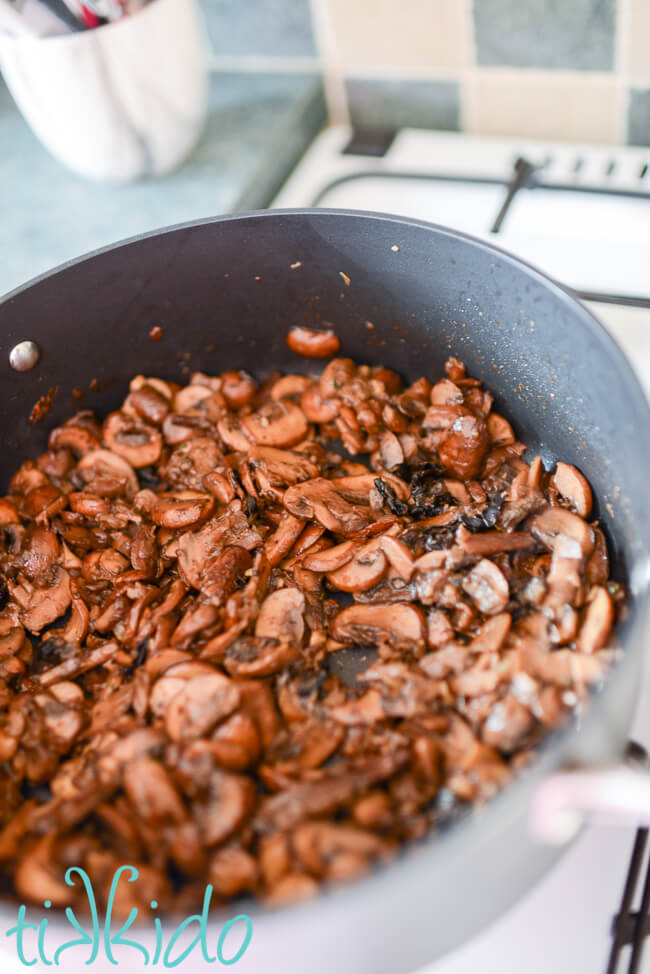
x=197 y=548
x=277 y=424
x=492 y=634
x=556 y=522
x=48 y=603
x=238 y=388
x=102 y=463
x=222 y=573
x=258 y=656
x=597 y=623
x=499 y=430
x=236 y=742
x=316 y=408
x=282 y=467
x=366 y=567
x=199 y=705
x=319 y=499
x=40 y=550
x=446 y=393
x=139 y=443
x=8 y=513
x=463 y=446
x=281 y=616
x=326 y=849
x=330 y=559
x=573 y=487
x=311 y=343
x=398 y=624
x=230 y=801
x=399 y=556
x=488 y=587
x=152 y=792
x=320 y=797
x=232 y=871
x=493 y=542
x=75 y=438
x=181 y=509
x=36 y=876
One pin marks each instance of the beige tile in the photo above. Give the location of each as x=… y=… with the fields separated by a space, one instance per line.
x=636 y=42
x=543 y=105
x=408 y=35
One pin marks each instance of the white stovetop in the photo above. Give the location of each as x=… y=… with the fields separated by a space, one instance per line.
x=597 y=244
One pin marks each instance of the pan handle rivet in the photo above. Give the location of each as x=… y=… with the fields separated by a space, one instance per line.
x=24 y=356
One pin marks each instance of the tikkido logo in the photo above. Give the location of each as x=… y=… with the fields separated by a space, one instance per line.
x=96 y=935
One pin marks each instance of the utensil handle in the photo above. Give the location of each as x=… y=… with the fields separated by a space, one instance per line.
x=618 y=794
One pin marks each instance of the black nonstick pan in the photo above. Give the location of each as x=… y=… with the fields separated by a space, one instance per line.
x=222 y=294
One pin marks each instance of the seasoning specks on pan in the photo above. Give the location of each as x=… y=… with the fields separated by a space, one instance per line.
x=231 y=652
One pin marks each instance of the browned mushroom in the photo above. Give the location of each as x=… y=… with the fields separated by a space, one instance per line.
x=47 y=603
x=492 y=634
x=597 y=623
x=313 y=344
x=199 y=704
x=230 y=801
x=397 y=624
x=102 y=463
x=366 y=567
x=281 y=616
x=488 y=587
x=276 y=424
x=137 y=442
x=556 y=523
x=181 y=509
x=573 y=487
x=319 y=499
x=238 y=388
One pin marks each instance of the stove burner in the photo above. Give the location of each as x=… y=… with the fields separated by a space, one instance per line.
x=631 y=927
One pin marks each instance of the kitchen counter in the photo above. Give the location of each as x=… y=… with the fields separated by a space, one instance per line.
x=258 y=127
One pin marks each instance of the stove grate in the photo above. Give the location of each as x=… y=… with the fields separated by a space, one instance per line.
x=631 y=927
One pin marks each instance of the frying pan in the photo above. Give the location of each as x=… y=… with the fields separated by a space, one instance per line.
x=224 y=292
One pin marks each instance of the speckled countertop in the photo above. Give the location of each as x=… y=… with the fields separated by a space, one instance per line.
x=258 y=127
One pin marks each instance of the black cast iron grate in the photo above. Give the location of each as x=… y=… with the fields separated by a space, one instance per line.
x=631 y=926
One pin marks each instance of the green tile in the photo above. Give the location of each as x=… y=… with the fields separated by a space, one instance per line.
x=392 y=104
x=576 y=34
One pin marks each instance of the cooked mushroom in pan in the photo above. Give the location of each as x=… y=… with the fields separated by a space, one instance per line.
x=262 y=634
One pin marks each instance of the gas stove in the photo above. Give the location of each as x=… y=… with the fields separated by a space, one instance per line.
x=580 y=213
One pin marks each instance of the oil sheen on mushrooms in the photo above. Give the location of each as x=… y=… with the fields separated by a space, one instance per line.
x=262 y=634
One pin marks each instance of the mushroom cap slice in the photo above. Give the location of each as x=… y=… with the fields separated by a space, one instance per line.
x=574 y=487
x=100 y=463
x=395 y=623
x=277 y=423
x=319 y=499
x=597 y=623
x=138 y=442
x=281 y=616
x=366 y=567
x=48 y=603
x=488 y=587
x=556 y=522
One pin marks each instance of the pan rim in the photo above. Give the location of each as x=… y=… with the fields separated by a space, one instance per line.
x=557 y=746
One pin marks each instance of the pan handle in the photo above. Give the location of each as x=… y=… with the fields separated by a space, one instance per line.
x=617 y=794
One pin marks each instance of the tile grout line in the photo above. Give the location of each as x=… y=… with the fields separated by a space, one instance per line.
x=621 y=66
x=465 y=95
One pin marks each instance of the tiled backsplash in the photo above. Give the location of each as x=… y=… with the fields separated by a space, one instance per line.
x=568 y=69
